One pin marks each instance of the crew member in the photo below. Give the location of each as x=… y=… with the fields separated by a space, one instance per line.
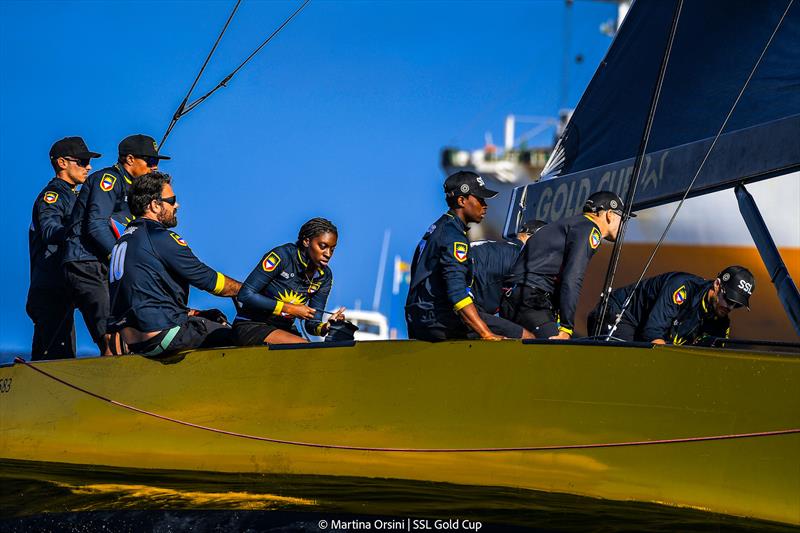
x=675 y=307
x=49 y=302
x=291 y=281
x=99 y=216
x=150 y=273
x=440 y=303
x=547 y=277
x=492 y=261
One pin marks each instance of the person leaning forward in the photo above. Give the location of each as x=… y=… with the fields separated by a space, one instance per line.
x=150 y=273
x=546 y=279
x=97 y=220
x=440 y=304
x=675 y=307
x=49 y=302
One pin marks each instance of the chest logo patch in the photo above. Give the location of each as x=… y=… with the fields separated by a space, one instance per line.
x=679 y=296
x=178 y=239
x=270 y=262
x=107 y=182
x=460 y=250
x=314 y=287
x=595 y=238
x=50 y=197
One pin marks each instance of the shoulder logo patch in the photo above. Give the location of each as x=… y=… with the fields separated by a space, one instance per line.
x=107 y=182
x=178 y=239
x=595 y=238
x=460 y=250
x=50 y=197
x=679 y=296
x=270 y=262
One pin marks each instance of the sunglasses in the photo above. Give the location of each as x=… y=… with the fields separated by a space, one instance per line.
x=149 y=160
x=80 y=162
x=172 y=200
x=732 y=305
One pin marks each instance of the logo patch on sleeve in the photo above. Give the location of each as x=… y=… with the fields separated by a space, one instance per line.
x=460 y=250
x=50 y=197
x=107 y=182
x=679 y=296
x=595 y=238
x=270 y=262
x=178 y=239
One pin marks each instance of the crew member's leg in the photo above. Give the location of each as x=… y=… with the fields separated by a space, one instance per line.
x=504 y=327
x=88 y=282
x=249 y=333
x=53 y=324
x=531 y=309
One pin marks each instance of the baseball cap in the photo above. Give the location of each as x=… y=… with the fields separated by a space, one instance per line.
x=72 y=147
x=737 y=285
x=531 y=226
x=605 y=201
x=140 y=145
x=464 y=182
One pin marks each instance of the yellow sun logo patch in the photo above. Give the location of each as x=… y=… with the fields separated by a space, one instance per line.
x=679 y=296
x=291 y=297
x=460 y=250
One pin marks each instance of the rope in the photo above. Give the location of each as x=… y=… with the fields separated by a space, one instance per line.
x=184 y=109
x=694 y=179
x=411 y=450
x=637 y=170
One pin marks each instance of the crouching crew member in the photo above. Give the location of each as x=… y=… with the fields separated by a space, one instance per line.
x=150 y=273
x=99 y=217
x=440 y=302
x=492 y=261
x=291 y=281
x=49 y=301
x=546 y=279
x=676 y=307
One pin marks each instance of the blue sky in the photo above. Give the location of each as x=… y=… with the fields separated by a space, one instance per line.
x=341 y=116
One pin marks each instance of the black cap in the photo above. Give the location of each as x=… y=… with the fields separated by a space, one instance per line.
x=464 y=182
x=140 y=145
x=605 y=201
x=531 y=226
x=737 y=285
x=72 y=147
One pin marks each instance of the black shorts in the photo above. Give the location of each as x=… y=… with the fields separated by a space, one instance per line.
x=196 y=332
x=459 y=330
x=533 y=309
x=53 y=318
x=625 y=331
x=251 y=333
x=88 y=283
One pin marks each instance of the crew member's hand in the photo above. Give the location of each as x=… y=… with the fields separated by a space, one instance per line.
x=562 y=336
x=493 y=337
x=215 y=315
x=658 y=341
x=300 y=311
x=338 y=316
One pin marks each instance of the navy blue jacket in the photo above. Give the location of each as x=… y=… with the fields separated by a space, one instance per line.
x=99 y=216
x=492 y=261
x=671 y=306
x=280 y=278
x=555 y=262
x=150 y=273
x=47 y=233
x=441 y=274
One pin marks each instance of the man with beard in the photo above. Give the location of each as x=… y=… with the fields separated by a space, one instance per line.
x=675 y=307
x=440 y=303
x=150 y=273
x=97 y=220
x=49 y=300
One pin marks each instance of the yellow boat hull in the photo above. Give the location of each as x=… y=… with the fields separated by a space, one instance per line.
x=413 y=395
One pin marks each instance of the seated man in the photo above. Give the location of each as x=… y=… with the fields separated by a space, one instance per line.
x=440 y=304
x=150 y=273
x=493 y=261
x=675 y=307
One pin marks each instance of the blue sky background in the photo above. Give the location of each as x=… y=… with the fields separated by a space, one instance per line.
x=342 y=116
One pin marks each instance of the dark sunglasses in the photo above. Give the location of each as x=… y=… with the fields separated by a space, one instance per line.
x=80 y=162
x=732 y=305
x=150 y=160
x=172 y=200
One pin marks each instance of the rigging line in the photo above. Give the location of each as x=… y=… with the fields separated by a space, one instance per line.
x=177 y=115
x=700 y=168
x=228 y=78
x=637 y=170
x=678 y=440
